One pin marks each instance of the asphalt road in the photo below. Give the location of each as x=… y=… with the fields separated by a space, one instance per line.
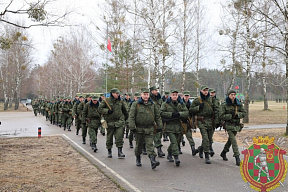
x=192 y=175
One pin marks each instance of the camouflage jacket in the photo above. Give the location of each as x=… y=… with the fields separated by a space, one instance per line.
x=227 y=108
x=91 y=112
x=143 y=115
x=173 y=124
x=119 y=115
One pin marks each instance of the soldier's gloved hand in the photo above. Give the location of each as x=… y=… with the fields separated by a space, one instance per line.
x=133 y=130
x=201 y=105
x=87 y=120
x=175 y=114
x=159 y=130
x=110 y=111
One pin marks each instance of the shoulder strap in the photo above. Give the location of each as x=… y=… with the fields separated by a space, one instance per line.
x=200 y=100
x=209 y=106
x=107 y=104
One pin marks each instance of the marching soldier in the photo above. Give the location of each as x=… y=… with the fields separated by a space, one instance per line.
x=216 y=120
x=83 y=121
x=188 y=133
x=156 y=98
x=67 y=114
x=35 y=107
x=164 y=98
x=206 y=109
x=52 y=112
x=231 y=111
x=115 y=115
x=173 y=112
x=76 y=115
x=73 y=102
x=102 y=97
x=47 y=104
x=127 y=101
x=60 y=113
x=92 y=117
x=143 y=117
x=131 y=134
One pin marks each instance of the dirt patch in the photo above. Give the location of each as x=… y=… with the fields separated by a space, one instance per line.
x=222 y=136
x=22 y=108
x=47 y=164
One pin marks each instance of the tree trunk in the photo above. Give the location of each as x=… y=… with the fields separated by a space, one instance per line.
x=184 y=47
x=198 y=48
x=286 y=61
x=264 y=87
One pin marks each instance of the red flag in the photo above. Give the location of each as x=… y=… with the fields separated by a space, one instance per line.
x=109 y=47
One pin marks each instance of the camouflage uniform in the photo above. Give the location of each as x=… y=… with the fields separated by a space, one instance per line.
x=80 y=109
x=206 y=109
x=77 y=115
x=115 y=115
x=142 y=117
x=92 y=117
x=35 y=106
x=173 y=113
x=188 y=133
x=67 y=114
x=231 y=113
x=157 y=138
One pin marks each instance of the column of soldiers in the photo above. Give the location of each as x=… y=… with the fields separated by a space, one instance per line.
x=147 y=118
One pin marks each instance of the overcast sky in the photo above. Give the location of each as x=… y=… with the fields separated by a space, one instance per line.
x=85 y=11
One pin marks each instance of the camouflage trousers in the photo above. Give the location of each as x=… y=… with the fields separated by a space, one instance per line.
x=189 y=137
x=66 y=119
x=116 y=132
x=232 y=141
x=157 y=139
x=175 y=139
x=142 y=138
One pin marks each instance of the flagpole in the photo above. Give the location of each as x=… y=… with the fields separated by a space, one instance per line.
x=106 y=62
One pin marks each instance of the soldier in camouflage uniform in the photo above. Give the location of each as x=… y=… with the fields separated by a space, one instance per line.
x=60 y=113
x=127 y=101
x=206 y=109
x=173 y=112
x=47 y=109
x=92 y=117
x=231 y=111
x=216 y=123
x=143 y=116
x=164 y=98
x=35 y=106
x=73 y=102
x=115 y=115
x=188 y=133
x=156 y=98
x=102 y=97
x=52 y=112
x=131 y=134
x=67 y=108
x=83 y=121
x=76 y=115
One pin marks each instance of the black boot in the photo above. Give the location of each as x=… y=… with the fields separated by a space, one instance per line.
x=237 y=160
x=103 y=133
x=94 y=147
x=165 y=138
x=84 y=140
x=200 y=150
x=120 y=154
x=223 y=155
x=211 y=151
x=127 y=135
x=154 y=163
x=77 y=132
x=59 y=125
x=130 y=144
x=194 y=152
x=160 y=152
x=170 y=158
x=177 y=161
x=69 y=129
x=207 y=160
x=64 y=128
x=109 y=153
x=138 y=161
x=180 y=152
x=183 y=142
